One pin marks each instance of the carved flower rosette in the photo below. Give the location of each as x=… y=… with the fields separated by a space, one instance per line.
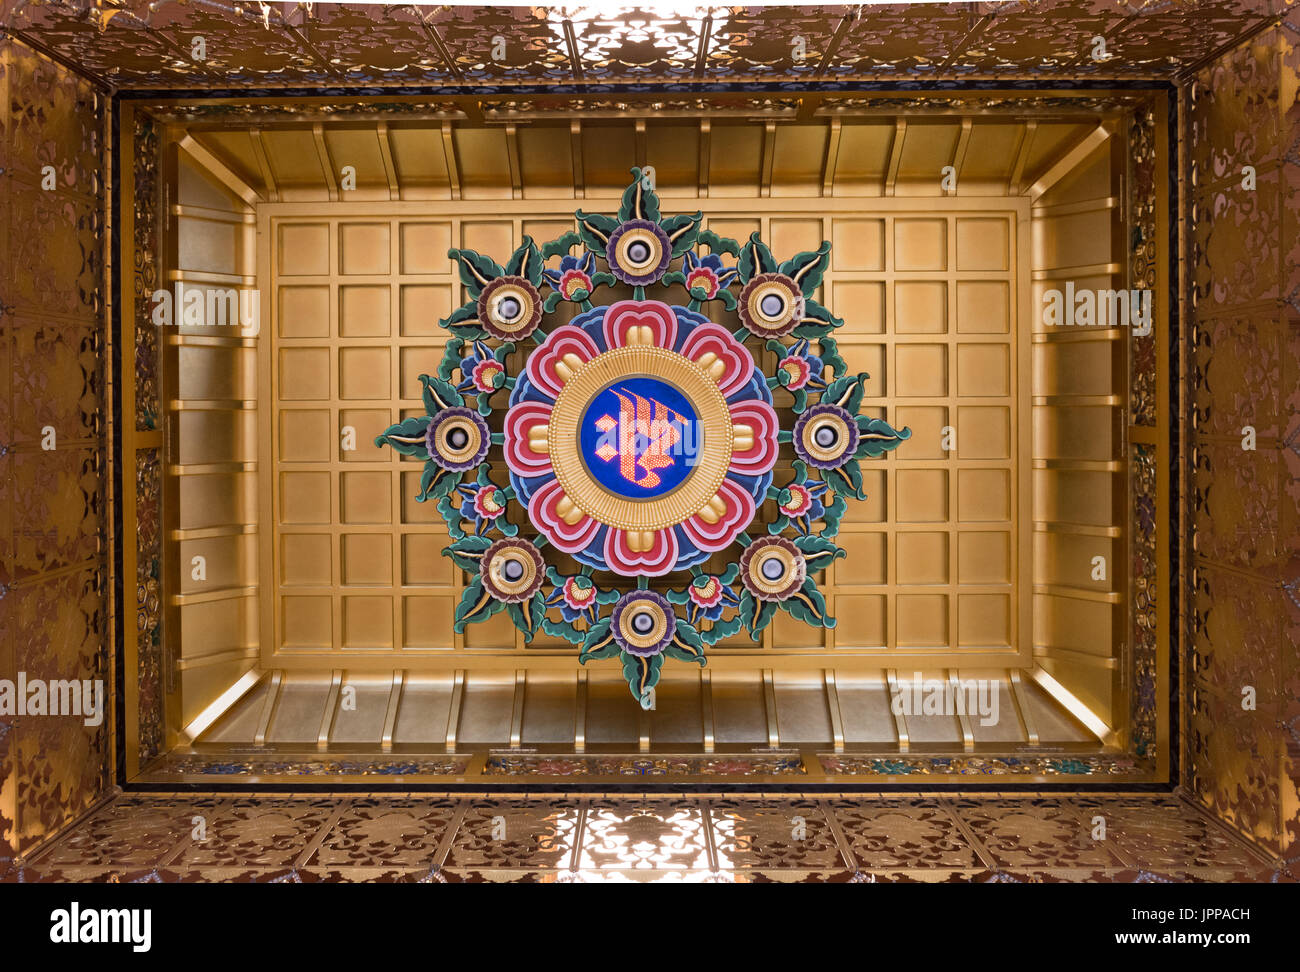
x=640 y=438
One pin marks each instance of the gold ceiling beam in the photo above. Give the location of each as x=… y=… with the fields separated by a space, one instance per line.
x=959 y=155
x=449 y=152
x=219 y=706
x=639 y=151
x=833 y=705
x=571 y=45
x=575 y=151
x=1021 y=698
x=963 y=717
x=833 y=46
x=219 y=170
x=331 y=705
x=517 y=708
x=706 y=156
x=453 y=715
x=702 y=51
x=326 y=163
x=580 y=713
x=390 y=714
x=895 y=155
x=386 y=153
x=1072 y=157
x=1022 y=157
x=513 y=161
x=706 y=709
x=769 y=707
x=832 y=157
x=264 y=165
x=900 y=720
x=269 y=705
x=1072 y=704
x=436 y=40
x=769 y=153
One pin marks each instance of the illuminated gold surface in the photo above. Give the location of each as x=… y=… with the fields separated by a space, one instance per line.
x=713 y=452
x=608 y=837
x=792 y=705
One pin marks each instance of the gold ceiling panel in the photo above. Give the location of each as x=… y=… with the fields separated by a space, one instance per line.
x=360 y=148
x=990 y=156
x=573 y=159
x=920 y=146
x=570 y=712
x=546 y=160
x=236 y=150
x=419 y=157
x=487 y=165
x=295 y=159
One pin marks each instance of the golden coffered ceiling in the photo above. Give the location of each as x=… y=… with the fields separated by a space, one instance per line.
x=1240 y=592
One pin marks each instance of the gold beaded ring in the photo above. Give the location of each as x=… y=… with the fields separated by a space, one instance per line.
x=636 y=638
x=712 y=460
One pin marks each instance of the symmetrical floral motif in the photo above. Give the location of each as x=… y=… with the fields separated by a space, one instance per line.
x=640 y=437
x=1146 y=600
x=736 y=838
x=145 y=282
x=265 y=44
x=149 y=602
x=1241 y=609
x=55 y=592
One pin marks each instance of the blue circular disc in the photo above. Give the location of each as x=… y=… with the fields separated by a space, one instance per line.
x=640 y=437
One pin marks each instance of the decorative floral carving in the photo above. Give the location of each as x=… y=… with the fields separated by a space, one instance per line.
x=641 y=437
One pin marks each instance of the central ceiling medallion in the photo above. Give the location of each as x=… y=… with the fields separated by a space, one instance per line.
x=640 y=438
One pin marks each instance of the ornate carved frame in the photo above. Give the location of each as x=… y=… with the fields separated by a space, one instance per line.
x=1158 y=638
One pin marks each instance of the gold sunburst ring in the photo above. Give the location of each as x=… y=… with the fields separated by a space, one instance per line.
x=459 y=438
x=686 y=467
x=826 y=437
x=769 y=305
x=772 y=568
x=639 y=250
x=510 y=308
x=512 y=570
x=642 y=622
